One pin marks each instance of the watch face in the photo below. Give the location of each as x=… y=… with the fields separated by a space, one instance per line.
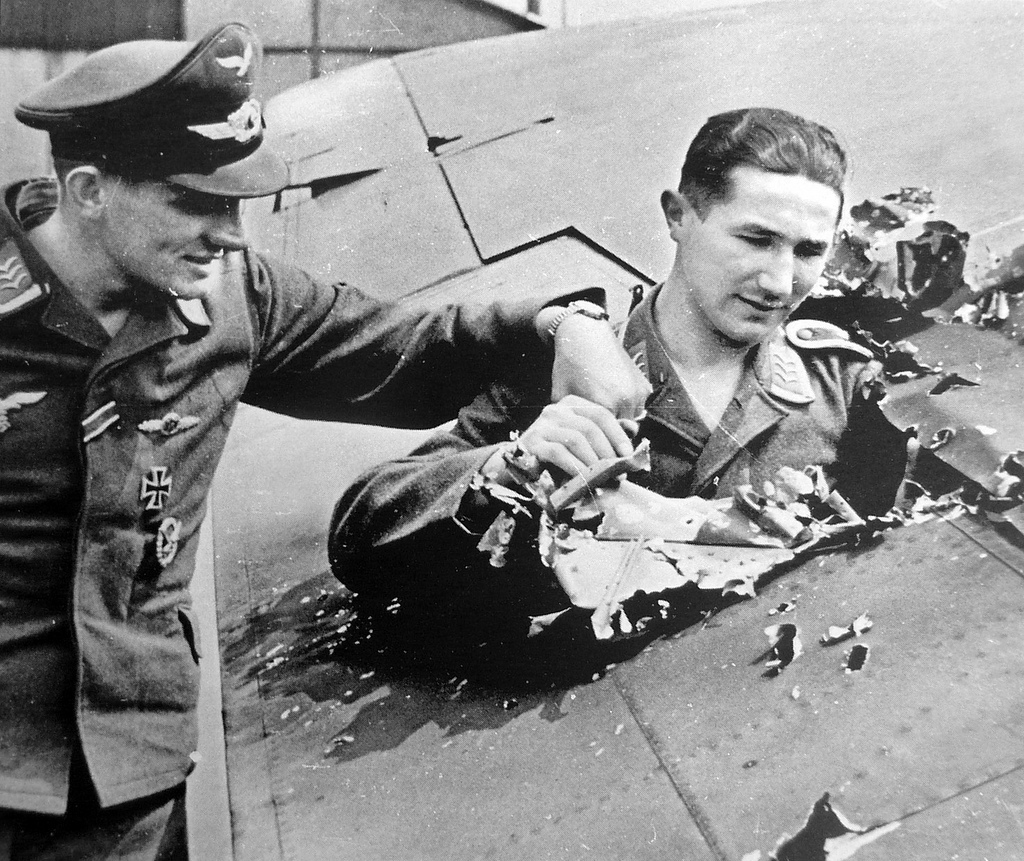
x=588 y=309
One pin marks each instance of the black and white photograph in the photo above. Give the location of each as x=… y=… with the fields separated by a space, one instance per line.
x=507 y=430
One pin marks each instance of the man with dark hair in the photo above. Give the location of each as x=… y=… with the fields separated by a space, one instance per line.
x=133 y=319
x=738 y=392
x=770 y=139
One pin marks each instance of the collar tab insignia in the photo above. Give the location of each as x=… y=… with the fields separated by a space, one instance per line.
x=789 y=381
x=638 y=353
x=17 y=289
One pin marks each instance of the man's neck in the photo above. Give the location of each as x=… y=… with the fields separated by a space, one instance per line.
x=85 y=271
x=693 y=346
x=709 y=368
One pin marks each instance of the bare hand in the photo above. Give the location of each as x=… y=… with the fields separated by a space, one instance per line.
x=574 y=434
x=591 y=363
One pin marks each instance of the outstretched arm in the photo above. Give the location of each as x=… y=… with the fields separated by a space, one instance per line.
x=335 y=353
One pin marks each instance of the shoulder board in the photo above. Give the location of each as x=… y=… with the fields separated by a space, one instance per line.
x=819 y=335
x=17 y=288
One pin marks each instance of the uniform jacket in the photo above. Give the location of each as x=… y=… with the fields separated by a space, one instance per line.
x=803 y=399
x=107 y=451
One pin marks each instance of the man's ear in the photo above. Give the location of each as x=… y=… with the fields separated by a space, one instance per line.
x=677 y=209
x=86 y=190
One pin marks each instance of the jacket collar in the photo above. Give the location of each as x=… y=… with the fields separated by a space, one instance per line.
x=774 y=380
x=31 y=282
x=777 y=365
x=153 y=323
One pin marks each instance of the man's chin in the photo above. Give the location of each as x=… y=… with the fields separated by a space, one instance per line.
x=746 y=335
x=191 y=287
x=173 y=291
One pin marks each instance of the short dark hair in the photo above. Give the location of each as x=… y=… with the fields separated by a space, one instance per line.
x=769 y=139
x=63 y=166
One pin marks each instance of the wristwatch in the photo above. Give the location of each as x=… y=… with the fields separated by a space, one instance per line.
x=577 y=306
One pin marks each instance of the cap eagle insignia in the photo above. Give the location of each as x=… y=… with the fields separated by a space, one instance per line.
x=242 y=125
x=239 y=64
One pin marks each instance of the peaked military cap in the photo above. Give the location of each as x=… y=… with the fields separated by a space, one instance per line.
x=180 y=111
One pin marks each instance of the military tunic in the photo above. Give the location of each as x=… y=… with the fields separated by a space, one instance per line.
x=801 y=401
x=107 y=450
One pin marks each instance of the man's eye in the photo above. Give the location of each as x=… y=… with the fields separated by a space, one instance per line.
x=757 y=241
x=201 y=205
x=811 y=252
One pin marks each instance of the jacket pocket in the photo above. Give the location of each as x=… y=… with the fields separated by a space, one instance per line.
x=190 y=628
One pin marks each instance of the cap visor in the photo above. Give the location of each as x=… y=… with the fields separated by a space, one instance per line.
x=260 y=173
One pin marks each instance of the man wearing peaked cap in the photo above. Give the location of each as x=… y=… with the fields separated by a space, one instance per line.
x=184 y=113
x=739 y=389
x=133 y=319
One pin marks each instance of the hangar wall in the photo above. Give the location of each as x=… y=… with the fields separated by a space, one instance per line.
x=303 y=39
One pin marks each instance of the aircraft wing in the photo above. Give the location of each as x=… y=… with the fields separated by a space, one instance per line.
x=534 y=162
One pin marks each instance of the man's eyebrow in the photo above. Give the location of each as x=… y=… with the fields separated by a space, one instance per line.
x=816 y=245
x=755 y=228
x=758 y=228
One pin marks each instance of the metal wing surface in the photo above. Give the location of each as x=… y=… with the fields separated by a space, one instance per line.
x=533 y=162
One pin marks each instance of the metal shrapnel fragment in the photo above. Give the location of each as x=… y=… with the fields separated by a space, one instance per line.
x=941 y=437
x=839 y=633
x=785 y=647
x=497 y=537
x=827 y=835
x=949 y=381
x=931 y=267
x=849 y=268
x=539 y=623
x=340 y=740
x=916 y=199
x=900 y=361
x=880 y=216
x=1008 y=480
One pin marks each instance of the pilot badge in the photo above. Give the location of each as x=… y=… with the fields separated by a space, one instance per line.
x=169 y=425
x=168 y=535
x=156 y=487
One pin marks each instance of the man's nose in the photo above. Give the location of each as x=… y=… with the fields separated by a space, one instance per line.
x=778 y=276
x=226 y=231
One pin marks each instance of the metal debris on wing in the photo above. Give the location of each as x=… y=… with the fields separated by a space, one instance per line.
x=827 y=835
x=785 y=647
x=838 y=633
x=949 y=381
x=606 y=539
x=496 y=539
